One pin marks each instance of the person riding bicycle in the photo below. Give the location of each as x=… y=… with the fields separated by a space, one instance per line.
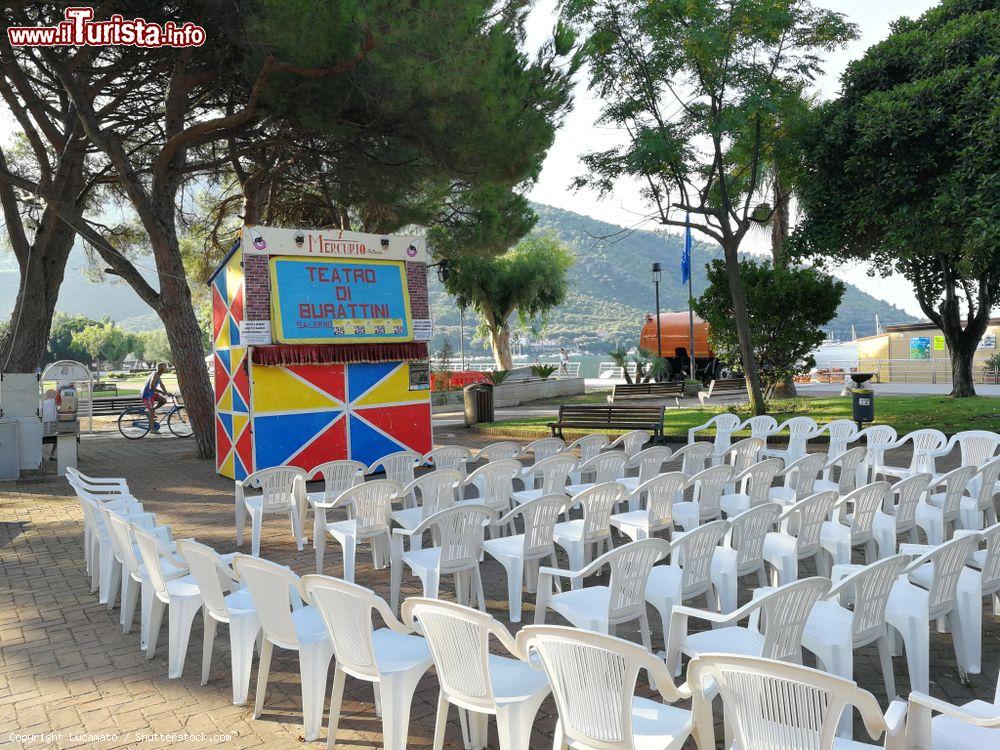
x=154 y=394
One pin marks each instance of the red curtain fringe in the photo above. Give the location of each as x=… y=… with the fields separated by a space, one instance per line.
x=323 y=354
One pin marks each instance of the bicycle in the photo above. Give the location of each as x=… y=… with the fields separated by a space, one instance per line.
x=133 y=423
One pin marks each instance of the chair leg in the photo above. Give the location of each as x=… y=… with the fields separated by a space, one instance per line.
x=336 y=699
x=300 y=540
x=885 y=657
x=263 y=670
x=314 y=663
x=476 y=579
x=256 y=521
x=350 y=547
x=514 y=723
x=440 y=721
x=180 y=618
x=243 y=633
x=130 y=598
x=515 y=572
x=148 y=595
x=155 y=623
x=397 y=697
x=208 y=643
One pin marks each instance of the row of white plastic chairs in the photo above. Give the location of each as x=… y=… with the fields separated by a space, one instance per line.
x=591 y=675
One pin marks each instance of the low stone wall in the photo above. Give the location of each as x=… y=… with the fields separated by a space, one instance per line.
x=517 y=393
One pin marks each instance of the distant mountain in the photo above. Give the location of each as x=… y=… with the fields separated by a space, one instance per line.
x=612 y=289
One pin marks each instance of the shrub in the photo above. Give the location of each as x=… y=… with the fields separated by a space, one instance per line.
x=497 y=376
x=543 y=371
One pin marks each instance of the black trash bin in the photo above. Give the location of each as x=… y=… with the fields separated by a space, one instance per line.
x=478 y=403
x=863 y=405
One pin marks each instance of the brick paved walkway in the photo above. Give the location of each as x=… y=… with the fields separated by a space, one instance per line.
x=69 y=678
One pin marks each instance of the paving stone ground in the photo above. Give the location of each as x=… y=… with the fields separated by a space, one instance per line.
x=69 y=678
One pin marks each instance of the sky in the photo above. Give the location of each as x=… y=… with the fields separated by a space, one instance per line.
x=579 y=133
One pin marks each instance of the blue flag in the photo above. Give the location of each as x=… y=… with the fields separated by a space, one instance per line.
x=686 y=257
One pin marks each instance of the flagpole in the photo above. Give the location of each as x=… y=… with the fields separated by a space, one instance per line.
x=688 y=248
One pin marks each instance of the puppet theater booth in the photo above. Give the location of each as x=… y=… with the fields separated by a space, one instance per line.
x=320 y=349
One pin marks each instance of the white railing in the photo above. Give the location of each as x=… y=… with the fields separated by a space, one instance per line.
x=901 y=371
x=611 y=371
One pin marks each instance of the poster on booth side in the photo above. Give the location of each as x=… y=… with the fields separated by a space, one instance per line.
x=339 y=301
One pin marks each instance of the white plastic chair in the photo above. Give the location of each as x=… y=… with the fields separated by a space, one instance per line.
x=224 y=602
x=392 y=658
x=593 y=678
x=501 y=451
x=399 y=467
x=277 y=595
x=706 y=487
x=780 y=706
x=776 y=619
x=980 y=579
x=372 y=503
x=604 y=467
x=459 y=541
x=540 y=450
x=852 y=615
x=594 y=528
x=107 y=559
x=135 y=580
x=725 y=425
x=180 y=594
x=800 y=431
x=111 y=485
x=689 y=573
x=659 y=493
x=975 y=724
x=337 y=476
x=842 y=433
x=650 y=463
x=899 y=514
x=849 y=465
x=761 y=426
x=520 y=551
x=742 y=552
x=877 y=440
x=475 y=680
x=853 y=523
x=602 y=608
x=925 y=445
x=976 y=448
x=693 y=457
x=753 y=484
x=938 y=515
x=743 y=454
x=495 y=484
x=930 y=593
x=589 y=446
x=437 y=490
x=798 y=537
x=282 y=491
x=554 y=471
x=450 y=457
x=631 y=442
x=798 y=479
x=978 y=510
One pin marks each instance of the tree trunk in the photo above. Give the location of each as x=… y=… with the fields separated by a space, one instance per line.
x=961 y=369
x=500 y=342
x=742 y=319
x=779 y=236
x=22 y=348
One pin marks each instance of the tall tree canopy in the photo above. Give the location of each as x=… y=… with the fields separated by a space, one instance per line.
x=705 y=90
x=903 y=170
x=788 y=307
x=529 y=279
x=270 y=94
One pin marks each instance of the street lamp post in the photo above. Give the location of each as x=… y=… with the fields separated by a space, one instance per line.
x=656 y=286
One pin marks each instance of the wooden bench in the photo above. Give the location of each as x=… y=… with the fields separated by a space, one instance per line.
x=623 y=391
x=729 y=387
x=114 y=405
x=599 y=417
x=102 y=386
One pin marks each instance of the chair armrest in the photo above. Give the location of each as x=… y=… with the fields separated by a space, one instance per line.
x=684 y=611
x=557 y=573
x=895 y=716
x=390 y=619
x=955 y=712
x=699 y=428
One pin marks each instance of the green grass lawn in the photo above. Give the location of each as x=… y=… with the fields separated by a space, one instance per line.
x=904 y=413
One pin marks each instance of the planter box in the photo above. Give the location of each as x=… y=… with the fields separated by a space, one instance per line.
x=518 y=392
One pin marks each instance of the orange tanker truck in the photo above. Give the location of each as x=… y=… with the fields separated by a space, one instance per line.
x=675 y=340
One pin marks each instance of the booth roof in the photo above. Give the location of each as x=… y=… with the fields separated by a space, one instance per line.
x=322 y=354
